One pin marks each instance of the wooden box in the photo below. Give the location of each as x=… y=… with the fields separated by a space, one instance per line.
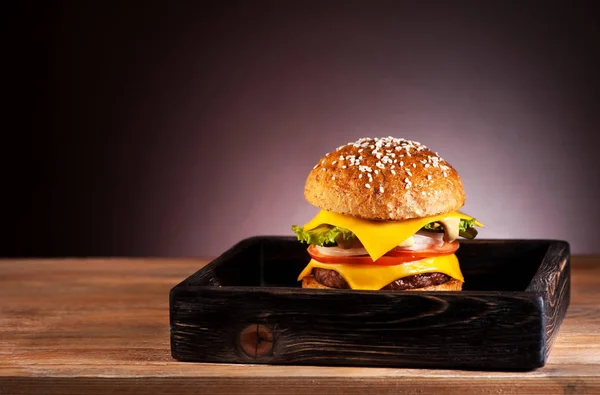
x=247 y=307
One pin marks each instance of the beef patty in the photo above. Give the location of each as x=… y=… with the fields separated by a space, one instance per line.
x=332 y=279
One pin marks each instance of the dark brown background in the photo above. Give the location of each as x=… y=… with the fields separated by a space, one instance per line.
x=178 y=128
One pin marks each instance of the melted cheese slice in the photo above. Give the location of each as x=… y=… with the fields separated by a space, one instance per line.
x=379 y=237
x=375 y=277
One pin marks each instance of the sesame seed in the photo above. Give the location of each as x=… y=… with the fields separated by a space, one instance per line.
x=387 y=150
x=429 y=176
x=407 y=186
x=445 y=174
x=333 y=177
x=367 y=185
x=317 y=165
x=360 y=176
x=381 y=189
x=323 y=168
x=423 y=193
x=406 y=180
x=394 y=172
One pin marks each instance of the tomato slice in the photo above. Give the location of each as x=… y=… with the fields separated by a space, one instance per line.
x=397 y=256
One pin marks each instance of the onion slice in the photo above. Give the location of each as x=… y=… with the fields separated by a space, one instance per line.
x=338 y=251
x=425 y=240
x=426 y=237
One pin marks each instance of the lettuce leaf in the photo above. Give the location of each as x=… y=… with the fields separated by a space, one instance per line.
x=466 y=228
x=324 y=235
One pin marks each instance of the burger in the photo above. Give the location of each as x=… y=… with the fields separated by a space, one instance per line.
x=388 y=219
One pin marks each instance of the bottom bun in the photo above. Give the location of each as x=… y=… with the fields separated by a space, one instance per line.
x=452 y=285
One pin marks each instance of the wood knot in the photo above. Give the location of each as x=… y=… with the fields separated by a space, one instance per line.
x=256 y=341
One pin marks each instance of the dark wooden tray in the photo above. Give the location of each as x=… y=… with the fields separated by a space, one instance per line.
x=247 y=307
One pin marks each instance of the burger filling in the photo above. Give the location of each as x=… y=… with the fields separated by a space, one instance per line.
x=392 y=255
x=329 y=236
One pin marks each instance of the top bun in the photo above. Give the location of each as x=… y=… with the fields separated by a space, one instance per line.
x=384 y=179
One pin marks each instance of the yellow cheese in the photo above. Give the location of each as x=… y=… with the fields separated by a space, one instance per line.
x=375 y=277
x=379 y=237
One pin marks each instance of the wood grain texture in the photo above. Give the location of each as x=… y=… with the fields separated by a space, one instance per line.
x=553 y=281
x=505 y=322
x=99 y=326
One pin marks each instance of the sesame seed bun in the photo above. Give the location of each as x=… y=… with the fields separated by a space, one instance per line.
x=384 y=179
x=452 y=285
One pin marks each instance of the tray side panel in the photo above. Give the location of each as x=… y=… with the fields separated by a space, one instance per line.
x=500 y=265
x=553 y=281
x=466 y=330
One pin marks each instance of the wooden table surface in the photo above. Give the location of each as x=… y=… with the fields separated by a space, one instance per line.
x=102 y=326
